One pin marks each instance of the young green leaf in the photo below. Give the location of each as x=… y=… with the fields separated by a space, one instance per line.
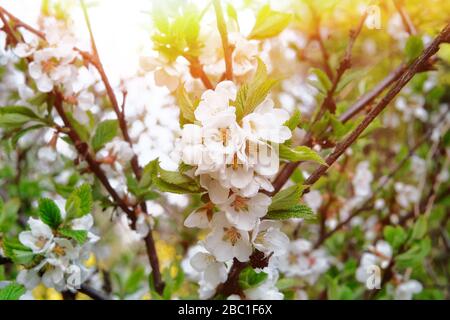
x=294 y=121
x=49 y=213
x=420 y=228
x=12 y=291
x=413 y=47
x=17 y=252
x=79 y=202
x=269 y=23
x=187 y=107
x=296 y=211
x=300 y=153
x=79 y=236
x=324 y=82
x=395 y=236
x=105 y=132
x=287 y=198
x=249 y=278
x=16 y=116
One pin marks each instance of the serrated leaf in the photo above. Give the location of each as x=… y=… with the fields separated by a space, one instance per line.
x=294 y=120
x=413 y=48
x=323 y=79
x=300 y=153
x=12 y=291
x=187 y=107
x=79 y=202
x=269 y=23
x=249 y=278
x=79 y=236
x=287 y=198
x=49 y=213
x=105 y=132
x=296 y=211
x=251 y=95
x=420 y=228
x=17 y=252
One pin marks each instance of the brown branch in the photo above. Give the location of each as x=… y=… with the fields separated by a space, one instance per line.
x=197 y=71
x=406 y=19
x=415 y=67
x=93 y=293
x=227 y=49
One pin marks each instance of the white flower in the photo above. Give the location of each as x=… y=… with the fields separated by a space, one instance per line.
x=51 y=66
x=216 y=103
x=40 y=237
x=406 y=290
x=406 y=194
x=214 y=272
x=302 y=261
x=362 y=180
x=86 y=222
x=266 y=123
x=192 y=149
x=200 y=218
x=267 y=238
x=380 y=256
x=29 y=278
x=266 y=290
x=62 y=253
x=167 y=74
x=226 y=241
x=28 y=47
x=313 y=199
x=245 y=212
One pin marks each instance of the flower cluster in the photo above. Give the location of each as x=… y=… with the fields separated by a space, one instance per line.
x=380 y=256
x=58 y=244
x=234 y=161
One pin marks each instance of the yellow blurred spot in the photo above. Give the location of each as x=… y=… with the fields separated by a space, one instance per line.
x=91 y=261
x=173 y=271
x=43 y=293
x=166 y=253
x=147 y=296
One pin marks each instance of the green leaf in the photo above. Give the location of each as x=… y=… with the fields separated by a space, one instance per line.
x=294 y=121
x=187 y=107
x=173 y=177
x=105 y=132
x=296 y=211
x=251 y=95
x=80 y=128
x=79 y=203
x=49 y=213
x=420 y=228
x=415 y=255
x=13 y=291
x=413 y=48
x=149 y=173
x=269 y=23
x=16 y=116
x=300 y=153
x=287 y=198
x=17 y=252
x=324 y=81
x=395 y=236
x=79 y=236
x=249 y=278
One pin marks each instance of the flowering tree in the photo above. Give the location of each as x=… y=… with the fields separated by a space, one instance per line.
x=305 y=157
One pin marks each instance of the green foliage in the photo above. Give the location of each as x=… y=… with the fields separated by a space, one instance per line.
x=287 y=198
x=249 y=278
x=296 y=211
x=12 y=291
x=294 y=120
x=395 y=236
x=167 y=181
x=17 y=252
x=79 y=236
x=16 y=116
x=49 y=213
x=323 y=83
x=413 y=48
x=8 y=214
x=187 y=107
x=415 y=255
x=269 y=23
x=420 y=228
x=79 y=202
x=252 y=94
x=300 y=153
x=105 y=132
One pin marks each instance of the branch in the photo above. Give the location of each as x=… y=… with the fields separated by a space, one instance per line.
x=227 y=49
x=406 y=19
x=415 y=67
x=93 y=293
